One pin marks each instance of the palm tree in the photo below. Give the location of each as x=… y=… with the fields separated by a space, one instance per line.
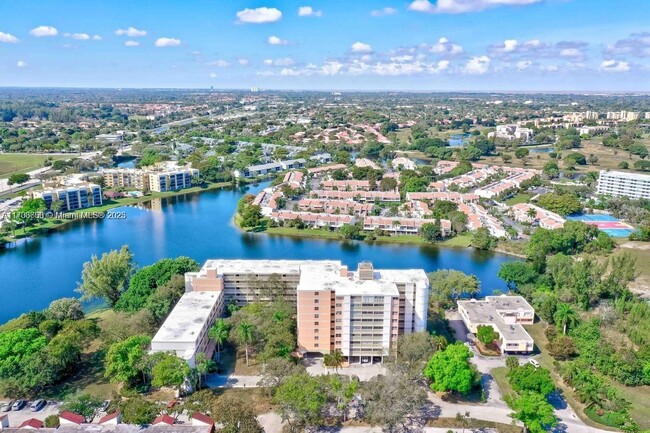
x=245 y=334
x=334 y=359
x=219 y=334
x=566 y=316
x=440 y=342
x=532 y=214
x=203 y=367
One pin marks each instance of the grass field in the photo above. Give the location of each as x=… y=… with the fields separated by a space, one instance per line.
x=519 y=198
x=11 y=163
x=500 y=377
x=640 y=251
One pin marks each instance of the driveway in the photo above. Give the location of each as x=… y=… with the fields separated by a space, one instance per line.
x=364 y=372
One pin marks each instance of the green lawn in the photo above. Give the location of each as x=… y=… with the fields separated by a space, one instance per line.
x=501 y=378
x=11 y=163
x=639 y=399
x=519 y=198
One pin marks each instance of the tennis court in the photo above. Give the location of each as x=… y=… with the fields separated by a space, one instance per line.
x=605 y=223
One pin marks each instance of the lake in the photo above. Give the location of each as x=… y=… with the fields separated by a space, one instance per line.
x=457 y=140
x=199 y=225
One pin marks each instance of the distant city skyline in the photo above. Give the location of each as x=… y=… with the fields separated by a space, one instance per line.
x=418 y=45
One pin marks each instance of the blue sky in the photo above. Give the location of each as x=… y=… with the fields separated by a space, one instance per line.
x=427 y=45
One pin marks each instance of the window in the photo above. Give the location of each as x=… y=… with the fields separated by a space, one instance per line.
x=316 y=308
x=316 y=316
x=316 y=337
x=315 y=344
x=316 y=324
x=316 y=301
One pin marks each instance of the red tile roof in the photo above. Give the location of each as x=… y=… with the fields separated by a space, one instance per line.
x=163 y=419
x=109 y=417
x=72 y=417
x=203 y=418
x=32 y=423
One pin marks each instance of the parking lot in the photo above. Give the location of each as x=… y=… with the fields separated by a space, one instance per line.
x=17 y=417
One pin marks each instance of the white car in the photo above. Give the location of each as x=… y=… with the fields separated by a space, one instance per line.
x=534 y=363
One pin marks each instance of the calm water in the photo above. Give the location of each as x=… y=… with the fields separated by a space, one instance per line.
x=37 y=271
x=457 y=140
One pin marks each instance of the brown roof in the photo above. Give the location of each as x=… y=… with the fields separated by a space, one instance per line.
x=109 y=417
x=203 y=418
x=163 y=419
x=32 y=423
x=72 y=417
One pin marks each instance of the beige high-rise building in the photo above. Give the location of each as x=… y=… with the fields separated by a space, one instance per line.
x=126 y=178
x=361 y=313
x=158 y=179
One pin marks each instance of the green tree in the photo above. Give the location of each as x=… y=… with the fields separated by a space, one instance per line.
x=483 y=240
x=125 y=360
x=18 y=179
x=245 y=336
x=29 y=212
x=563 y=204
x=137 y=410
x=169 y=370
x=565 y=316
x=300 y=400
x=529 y=378
x=431 y=232
x=391 y=400
x=83 y=404
x=219 y=333
x=486 y=334
x=450 y=370
x=517 y=274
x=235 y=416
x=65 y=309
x=16 y=347
x=534 y=411
x=107 y=277
x=413 y=352
x=203 y=366
x=512 y=362
x=447 y=285
x=350 y=231
x=334 y=360
x=521 y=152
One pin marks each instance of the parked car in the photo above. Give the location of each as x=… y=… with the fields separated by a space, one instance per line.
x=534 y=363
x=37 y=405
x=19 y=404
x=105 y=405
x=7 y=406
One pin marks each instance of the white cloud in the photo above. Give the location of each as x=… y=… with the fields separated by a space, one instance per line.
x=43 y=31
x=509 y=45
x=97 y=38
x=477 y=65
x=463 y=6
x=213 y=75
x=259 y=15
x=443 y=46
x=360 y=47
x=571 y=52
x=614 y=66
x=132 y=43
x=308 y=11
x=131 y=32
x=289 y=72
x=219 y=63
x=284 y=61
x=167 y=42
x=80 y=36
x=8 y=38
x=523 y=64
x=21 y=64
x=638 y=44
x=383 y=12
x=274 y=40
x=243 y=62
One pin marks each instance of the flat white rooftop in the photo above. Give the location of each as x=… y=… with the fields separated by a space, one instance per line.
x=185 y=322
x=626 y=175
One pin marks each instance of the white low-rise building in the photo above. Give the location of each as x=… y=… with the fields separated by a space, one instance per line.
x=506 y=315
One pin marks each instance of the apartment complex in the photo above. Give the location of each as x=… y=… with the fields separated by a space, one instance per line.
x=160 y=179
x=361 y=313
x=506 y=315
x=185 y=331
x=71 y=197
x=619 y=183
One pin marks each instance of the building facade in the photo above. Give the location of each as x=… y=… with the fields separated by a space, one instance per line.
x=619 y=183
x=159 y=180
x=506 y=315
x=72 y=197
x=361 y=313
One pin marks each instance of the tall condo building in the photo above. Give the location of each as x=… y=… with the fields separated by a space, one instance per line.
x=619 y=183
x=360 y=312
